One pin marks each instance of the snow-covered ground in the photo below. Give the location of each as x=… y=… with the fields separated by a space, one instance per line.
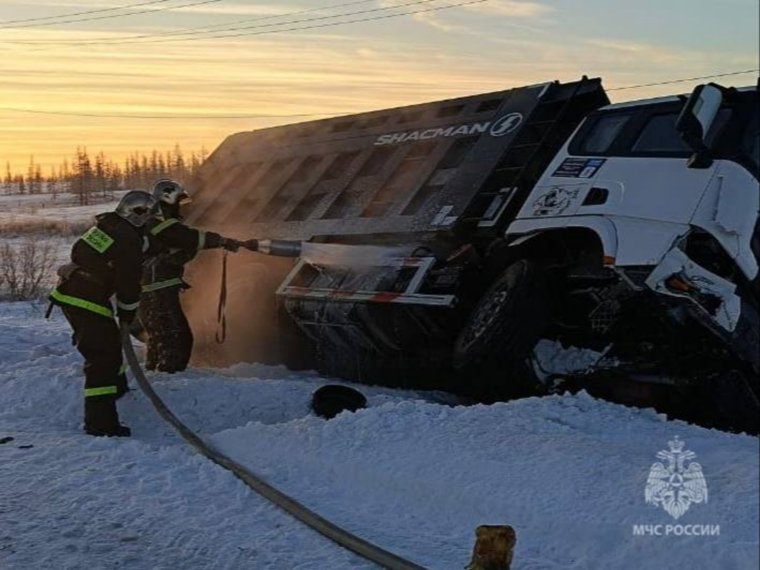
x=62 y=208
x=411 y=473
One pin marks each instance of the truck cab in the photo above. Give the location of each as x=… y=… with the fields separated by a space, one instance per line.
x=658 y=200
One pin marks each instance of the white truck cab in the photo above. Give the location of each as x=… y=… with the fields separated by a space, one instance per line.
x=669 y=188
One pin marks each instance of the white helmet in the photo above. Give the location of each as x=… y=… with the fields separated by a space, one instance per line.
x=169 y=191
x=137 y=207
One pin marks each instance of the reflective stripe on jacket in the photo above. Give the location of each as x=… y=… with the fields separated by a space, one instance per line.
x=173 y=282
x=72 y=301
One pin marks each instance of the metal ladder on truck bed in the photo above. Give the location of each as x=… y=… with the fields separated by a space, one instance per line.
x=519 y=168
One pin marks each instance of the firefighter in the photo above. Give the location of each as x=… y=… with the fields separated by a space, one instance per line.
x=106 y=260
x=165 y=327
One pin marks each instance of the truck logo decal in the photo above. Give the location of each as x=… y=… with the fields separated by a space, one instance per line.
x=506 y=124
x=498 y=128
x=554 y=202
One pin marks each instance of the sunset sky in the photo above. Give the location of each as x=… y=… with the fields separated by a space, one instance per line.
x=154 y=73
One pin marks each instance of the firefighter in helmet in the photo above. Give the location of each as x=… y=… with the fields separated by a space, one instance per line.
x=106 y=260
x=172 y=244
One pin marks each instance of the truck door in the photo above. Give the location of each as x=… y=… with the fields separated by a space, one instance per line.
x=645 y=173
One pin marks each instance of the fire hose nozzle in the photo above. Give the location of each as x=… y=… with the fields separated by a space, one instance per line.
x=279 y=247
x=250 y=244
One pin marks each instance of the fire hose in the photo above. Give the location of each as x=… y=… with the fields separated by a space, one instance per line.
x=326 y=528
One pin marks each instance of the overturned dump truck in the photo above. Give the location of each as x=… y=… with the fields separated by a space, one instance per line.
x=540 y=212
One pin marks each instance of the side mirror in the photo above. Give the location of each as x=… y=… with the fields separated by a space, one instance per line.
x=695 y=120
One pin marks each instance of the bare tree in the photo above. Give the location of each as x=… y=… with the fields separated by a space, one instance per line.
x=24 y=270
x=34 y=177
x=8 y=178
x=83 y=177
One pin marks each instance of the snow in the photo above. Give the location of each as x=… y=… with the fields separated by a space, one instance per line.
x=412 y=473
x=55 y=208
x=551 y=358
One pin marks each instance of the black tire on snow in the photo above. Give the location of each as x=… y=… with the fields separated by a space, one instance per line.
x=491 y=350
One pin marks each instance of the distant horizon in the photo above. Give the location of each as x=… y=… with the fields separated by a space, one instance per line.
x=192 y=73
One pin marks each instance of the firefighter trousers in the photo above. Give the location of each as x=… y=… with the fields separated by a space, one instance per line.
x=97 y=339
x=169 y=338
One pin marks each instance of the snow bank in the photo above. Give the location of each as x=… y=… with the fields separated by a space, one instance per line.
x=411 y=473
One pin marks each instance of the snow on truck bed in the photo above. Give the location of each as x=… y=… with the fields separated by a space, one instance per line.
x=411 y=473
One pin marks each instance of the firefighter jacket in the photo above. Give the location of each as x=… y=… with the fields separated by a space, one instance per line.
x=106 y=260
x=172 y=245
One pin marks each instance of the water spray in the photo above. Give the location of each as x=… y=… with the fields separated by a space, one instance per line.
x=330 y=253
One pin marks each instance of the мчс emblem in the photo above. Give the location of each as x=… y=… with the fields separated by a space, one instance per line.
x=675 y=485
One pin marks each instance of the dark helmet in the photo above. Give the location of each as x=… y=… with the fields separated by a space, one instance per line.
x=137 y=207
x=170 y=192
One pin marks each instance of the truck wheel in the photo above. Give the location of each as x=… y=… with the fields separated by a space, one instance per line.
x=493 y=346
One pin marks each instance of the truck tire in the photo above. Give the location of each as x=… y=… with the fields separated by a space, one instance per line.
x=491 y=350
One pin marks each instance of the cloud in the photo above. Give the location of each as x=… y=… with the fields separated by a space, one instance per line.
x=444 y=20
x=239 y=9
x=511 y=8
x=434 y=21
x=639 y=51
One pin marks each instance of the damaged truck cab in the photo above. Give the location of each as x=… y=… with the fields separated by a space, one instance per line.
x=665 y=194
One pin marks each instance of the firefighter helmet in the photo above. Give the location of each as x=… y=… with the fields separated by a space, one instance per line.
x=137 y=207
x=170 y=192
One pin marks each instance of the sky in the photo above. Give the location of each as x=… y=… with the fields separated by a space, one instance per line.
x=135 y=75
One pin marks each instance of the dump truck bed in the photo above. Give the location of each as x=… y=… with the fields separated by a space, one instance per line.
x=433 y=167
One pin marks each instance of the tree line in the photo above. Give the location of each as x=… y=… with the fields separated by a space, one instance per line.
x=87 y=175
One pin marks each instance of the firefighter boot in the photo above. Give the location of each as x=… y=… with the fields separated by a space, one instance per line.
x=101 y=418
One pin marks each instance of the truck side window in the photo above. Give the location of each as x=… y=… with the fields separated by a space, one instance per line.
x=660 y=135
x=604 y=132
